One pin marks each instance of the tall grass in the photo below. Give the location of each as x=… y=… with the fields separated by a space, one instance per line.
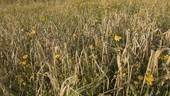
x=85 y=48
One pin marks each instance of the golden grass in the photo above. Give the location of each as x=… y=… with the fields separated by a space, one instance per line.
x=85 y=48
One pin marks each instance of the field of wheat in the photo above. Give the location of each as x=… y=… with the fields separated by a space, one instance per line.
x=84 y=48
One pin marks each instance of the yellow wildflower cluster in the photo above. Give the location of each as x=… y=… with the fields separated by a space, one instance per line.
x=91 y=47
x=32 y=33
x=164 y=57
x=23 y=63
x=57 y=56
x=117 y=38
x=149 y=78
x=24 y=57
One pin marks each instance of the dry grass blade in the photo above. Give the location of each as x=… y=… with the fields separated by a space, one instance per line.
x=4 y=88
x=84 y=47
x=152 y=67
x=166 y=38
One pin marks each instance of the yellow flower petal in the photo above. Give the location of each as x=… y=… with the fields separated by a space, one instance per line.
x=117 y=38
x=149 y=78
x=23 y=63
x=91 y=47
x=57 y=56
x=149 y=83
x=33 y=32
x=25 y=56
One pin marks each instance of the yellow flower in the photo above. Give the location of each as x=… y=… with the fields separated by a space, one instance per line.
x=33 y=32
x=164 y=57
x=149 y=78
x=117 y=38
x=57 y=56
x=150 y=83
x=25 y=56
x=91 y=47
x=23 y=63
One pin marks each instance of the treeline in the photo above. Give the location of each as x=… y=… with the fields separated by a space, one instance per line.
x=2 y=2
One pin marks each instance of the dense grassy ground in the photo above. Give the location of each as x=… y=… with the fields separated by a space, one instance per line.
x=85 y=48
